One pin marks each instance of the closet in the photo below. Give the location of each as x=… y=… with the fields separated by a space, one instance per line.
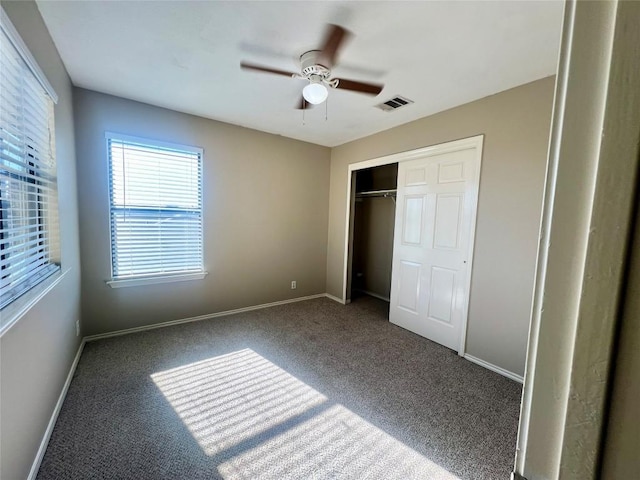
x=424 y=244
x=373 y=224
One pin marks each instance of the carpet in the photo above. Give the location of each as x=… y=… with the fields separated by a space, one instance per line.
x=308 y=390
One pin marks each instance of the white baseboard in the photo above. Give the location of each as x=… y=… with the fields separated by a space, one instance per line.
x=54 y=416
x=335 y=299
x=208 y=316
x=494 y=368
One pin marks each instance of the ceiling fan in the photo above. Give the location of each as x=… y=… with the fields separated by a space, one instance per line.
x=316 y=65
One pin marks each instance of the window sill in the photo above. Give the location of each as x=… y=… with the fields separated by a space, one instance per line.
x=138 y=281
x=17 y=309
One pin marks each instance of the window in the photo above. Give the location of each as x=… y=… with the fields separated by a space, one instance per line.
x=156 y=211
x=29 y=245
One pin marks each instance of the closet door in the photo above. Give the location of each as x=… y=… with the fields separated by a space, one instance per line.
x=436 y=203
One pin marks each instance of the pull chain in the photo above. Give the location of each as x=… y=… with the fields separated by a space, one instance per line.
x=304 y=108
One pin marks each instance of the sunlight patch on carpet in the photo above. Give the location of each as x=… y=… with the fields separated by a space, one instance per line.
x=258 y=420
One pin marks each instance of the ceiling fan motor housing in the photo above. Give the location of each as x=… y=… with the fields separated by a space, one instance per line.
x=311 y=68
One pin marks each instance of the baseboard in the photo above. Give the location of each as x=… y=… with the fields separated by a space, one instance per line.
x=54 y=416
x=208 y=316
x=494 y=368
x=335 y=299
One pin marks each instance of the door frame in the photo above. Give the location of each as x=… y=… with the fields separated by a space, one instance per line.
x=593 y=176
x=475 y=142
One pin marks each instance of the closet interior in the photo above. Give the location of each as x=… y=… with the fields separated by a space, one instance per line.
x=373 y=225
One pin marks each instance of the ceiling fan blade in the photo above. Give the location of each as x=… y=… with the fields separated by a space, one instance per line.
x=303 y=104
x=334 y=40
x=368 y=88
x=259 y=68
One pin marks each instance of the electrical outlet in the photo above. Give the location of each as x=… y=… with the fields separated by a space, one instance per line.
x=294 y=285
x=77 y=328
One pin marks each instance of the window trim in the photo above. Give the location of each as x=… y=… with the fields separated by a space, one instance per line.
x=159 y=278
x=155 y=279
x=24 y=303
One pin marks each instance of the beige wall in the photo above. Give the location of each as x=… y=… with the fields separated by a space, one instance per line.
x=516 y=128
x=37 y=352
x=265 y=215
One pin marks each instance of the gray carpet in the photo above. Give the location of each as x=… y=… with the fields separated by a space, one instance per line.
x=300 y=391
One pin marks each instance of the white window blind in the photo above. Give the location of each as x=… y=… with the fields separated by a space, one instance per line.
x=29 y=246
x=156 y=208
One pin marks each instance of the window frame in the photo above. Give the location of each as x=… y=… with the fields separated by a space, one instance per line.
x=40 y=284
x=160 y=277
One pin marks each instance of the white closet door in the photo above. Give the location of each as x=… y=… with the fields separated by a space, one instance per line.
x=436 y=199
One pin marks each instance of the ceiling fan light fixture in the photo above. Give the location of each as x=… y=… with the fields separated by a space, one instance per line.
x=315 y=93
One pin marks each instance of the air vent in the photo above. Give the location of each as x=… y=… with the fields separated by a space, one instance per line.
x=394 y=103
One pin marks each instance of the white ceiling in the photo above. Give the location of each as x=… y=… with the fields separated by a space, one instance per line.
x=186 y=55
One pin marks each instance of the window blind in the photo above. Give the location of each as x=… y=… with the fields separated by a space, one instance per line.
x=29 y=246
x=156 y=208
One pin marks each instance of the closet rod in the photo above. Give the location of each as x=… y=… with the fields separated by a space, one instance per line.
x=377 y=193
